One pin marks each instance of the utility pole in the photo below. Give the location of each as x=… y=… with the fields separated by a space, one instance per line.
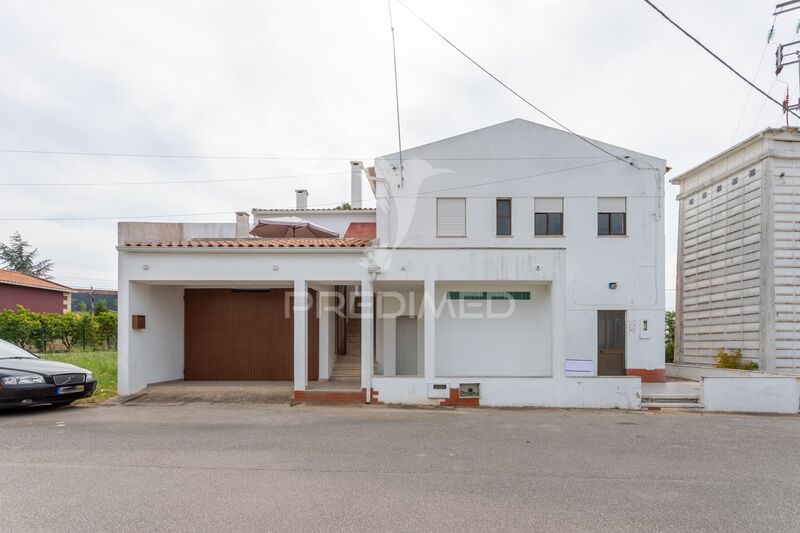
x=788 y=54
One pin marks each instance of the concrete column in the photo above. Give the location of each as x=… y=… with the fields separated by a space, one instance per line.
x=429 y=320
x=325 y=325
x=124 y=377
x=367 y=321
x=558 y=316
x=300 y=310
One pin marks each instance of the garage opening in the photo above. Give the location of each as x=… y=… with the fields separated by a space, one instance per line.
x=244 y=335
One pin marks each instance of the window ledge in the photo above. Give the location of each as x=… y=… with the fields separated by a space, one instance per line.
x=504 y=236
x=548 y=236
x=613 y=236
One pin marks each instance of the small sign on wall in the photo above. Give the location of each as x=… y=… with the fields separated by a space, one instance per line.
x=644 y=328
x=579 y=367
x=137 y=321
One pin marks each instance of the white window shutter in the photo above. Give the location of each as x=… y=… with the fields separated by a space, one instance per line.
x=548 y=205
x=611 y=205
x=451 y=217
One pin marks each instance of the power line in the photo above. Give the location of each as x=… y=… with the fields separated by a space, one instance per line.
x=287 y=158
x=322 y=205
x=57 y=219
x=507 y=87
x=165 y=182
x=715 y=56
x=174 y=156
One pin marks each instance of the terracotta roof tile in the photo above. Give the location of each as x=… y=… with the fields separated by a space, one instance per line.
x=256 y=243
x=361 y=230
x=11 y=277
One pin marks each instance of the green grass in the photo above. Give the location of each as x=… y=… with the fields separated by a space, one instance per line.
x=104 y=366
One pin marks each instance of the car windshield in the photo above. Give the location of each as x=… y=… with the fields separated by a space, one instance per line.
x=10 y=351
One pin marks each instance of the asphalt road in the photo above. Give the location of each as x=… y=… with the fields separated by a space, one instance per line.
x=202 y=467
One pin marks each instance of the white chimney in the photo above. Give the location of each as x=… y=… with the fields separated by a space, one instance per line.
x=242 y=224
x=302 y=198
x=356 y=167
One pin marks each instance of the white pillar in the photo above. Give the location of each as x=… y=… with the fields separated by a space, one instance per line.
x=300 y=310
x=367 y=321
x=325 y=325
x=429 y=320
x=124 y=378
x=558 y=316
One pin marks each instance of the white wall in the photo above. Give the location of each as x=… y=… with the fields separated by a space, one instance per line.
x=764 y=394
x=153 y=354
x=515 y=340
x=453 y=168
x=594 y=392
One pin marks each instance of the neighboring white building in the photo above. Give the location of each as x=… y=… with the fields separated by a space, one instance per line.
x=513 y=265
x=738 y=283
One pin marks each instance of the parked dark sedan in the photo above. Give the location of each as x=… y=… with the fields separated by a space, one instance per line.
x=27 y=380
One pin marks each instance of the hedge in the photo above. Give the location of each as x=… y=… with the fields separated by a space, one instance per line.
x=59 y=331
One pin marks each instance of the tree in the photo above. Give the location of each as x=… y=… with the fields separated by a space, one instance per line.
x=18 y=255
x=66 y=327
x=100 y=306
x=107 y=328
x=669 y=336
x=344 y=206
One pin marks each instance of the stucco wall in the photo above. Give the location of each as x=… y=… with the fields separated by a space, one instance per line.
x=157 y=349
x=521 y=160
x=493 y=338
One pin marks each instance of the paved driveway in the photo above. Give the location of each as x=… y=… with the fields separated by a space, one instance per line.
x=206 y=467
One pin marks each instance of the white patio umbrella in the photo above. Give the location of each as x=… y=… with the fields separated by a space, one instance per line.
x=291 y=227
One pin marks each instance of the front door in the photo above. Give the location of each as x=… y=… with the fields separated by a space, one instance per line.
x=611 y=343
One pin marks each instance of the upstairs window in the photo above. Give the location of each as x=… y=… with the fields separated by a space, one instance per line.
x=503 y=217
x=548 y=214
x=611 y=216
x=451 y=217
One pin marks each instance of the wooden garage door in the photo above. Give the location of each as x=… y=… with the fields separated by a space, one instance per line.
x=243 y=335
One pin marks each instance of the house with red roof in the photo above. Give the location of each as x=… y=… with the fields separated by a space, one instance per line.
x=35 y=294
x=514 y=265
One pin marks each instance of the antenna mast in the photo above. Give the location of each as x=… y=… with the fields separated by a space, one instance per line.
x=787 y=54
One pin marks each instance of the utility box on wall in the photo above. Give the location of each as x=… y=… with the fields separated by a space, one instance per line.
x=438 y=390
x=137 y=321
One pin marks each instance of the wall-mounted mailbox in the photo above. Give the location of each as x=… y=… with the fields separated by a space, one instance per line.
x=469 y=390
x=137 y=321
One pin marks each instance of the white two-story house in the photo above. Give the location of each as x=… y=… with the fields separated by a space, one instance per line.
x=515 y=265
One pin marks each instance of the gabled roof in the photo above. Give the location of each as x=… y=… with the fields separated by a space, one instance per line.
x=12 y=277
x=514 y=128
x=255 y=243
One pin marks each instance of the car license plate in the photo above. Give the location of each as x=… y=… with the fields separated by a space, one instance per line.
x=69 y=390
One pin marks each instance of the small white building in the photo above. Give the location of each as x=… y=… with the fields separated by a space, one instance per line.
x=738 y=272
x=514 y=265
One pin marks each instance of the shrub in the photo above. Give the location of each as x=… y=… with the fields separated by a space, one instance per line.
x=40 y=331
x=733 y=359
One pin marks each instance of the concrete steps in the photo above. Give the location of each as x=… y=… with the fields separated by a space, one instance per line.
x=348 y=367
x=671 y=401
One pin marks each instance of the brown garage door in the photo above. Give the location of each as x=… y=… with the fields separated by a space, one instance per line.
x=243 y=335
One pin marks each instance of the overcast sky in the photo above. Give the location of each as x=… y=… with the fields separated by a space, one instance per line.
x=313 y=80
